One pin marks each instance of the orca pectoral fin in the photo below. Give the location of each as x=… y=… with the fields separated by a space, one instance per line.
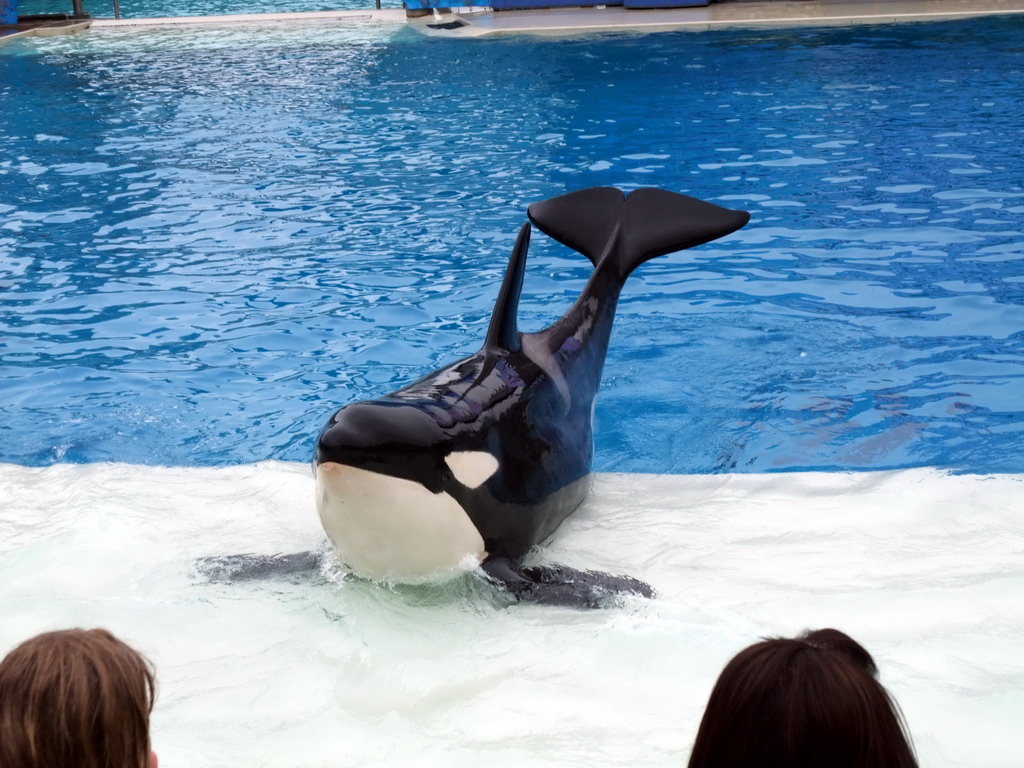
x=561 y=585
x=602 y=584
x=224 y=568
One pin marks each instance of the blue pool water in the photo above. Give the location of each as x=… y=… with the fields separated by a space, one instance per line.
x=210 y=239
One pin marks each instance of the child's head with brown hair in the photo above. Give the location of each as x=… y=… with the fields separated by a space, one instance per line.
x=803 y=703
x=75 y=699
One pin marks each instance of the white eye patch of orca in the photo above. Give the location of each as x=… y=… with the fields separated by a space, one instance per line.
x=472 y=468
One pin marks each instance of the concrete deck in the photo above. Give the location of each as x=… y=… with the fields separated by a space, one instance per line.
x=768 y=13
x=484 y=22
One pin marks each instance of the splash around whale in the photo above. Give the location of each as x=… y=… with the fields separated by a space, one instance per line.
x=482 y=460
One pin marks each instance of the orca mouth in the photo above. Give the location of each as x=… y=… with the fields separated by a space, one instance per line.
x=426 y=470
x=349 y=456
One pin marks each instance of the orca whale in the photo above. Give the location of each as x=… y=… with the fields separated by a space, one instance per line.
x=478 y=462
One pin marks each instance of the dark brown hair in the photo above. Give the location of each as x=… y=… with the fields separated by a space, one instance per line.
x=75 y=699
x=809 y=702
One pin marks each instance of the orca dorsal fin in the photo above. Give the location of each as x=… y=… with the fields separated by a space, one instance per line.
x=602 y=223
x=503 y=332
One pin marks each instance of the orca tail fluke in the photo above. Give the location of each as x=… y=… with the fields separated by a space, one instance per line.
x=624 y=231
x=561 y=585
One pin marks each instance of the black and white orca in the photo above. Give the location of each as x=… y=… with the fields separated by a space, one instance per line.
x=478 y=462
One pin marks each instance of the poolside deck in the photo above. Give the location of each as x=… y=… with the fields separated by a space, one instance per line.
x=767 y=13
x=484 y=22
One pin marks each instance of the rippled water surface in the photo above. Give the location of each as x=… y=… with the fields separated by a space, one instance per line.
x=209 y=239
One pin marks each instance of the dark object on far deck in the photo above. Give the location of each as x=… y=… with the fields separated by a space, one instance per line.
x=648 y=4
x=448 y=25
x=519 y=5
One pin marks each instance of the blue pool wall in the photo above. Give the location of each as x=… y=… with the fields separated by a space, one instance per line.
x=8 y=11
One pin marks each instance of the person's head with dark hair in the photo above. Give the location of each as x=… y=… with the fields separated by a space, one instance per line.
x=75 y=699
x=810 y=702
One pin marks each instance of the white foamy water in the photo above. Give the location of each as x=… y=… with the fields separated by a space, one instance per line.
x=924 y=568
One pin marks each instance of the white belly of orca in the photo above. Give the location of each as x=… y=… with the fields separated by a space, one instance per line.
x=389 y=529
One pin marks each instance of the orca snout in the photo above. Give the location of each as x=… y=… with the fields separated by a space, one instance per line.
x=373 y=427
x=339 y=444
x=396 y=440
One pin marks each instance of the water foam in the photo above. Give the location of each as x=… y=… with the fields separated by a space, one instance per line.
x=922 y=566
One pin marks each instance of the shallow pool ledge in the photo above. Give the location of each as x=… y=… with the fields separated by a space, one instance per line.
x=48 y=29
x=394 y=15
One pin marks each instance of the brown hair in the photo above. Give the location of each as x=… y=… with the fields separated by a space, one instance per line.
x=75 y=699
x=803 y=703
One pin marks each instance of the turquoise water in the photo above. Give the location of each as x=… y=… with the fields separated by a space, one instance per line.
x=210 y=239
